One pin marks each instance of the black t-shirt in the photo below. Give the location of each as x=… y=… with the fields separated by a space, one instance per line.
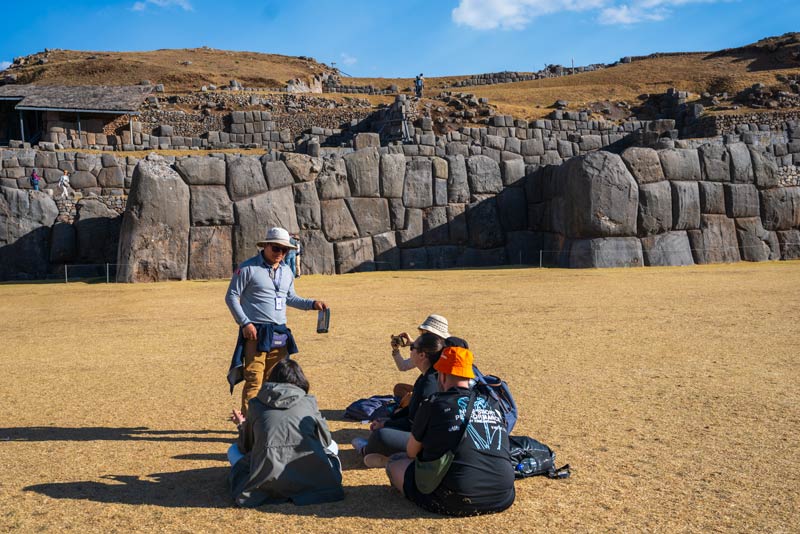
x=425 y=386
x=481 y=469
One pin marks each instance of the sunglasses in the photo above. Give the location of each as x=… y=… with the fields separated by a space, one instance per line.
x=413 y=347
x=276 y=249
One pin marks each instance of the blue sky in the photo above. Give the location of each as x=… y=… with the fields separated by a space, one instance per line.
x=401 y=38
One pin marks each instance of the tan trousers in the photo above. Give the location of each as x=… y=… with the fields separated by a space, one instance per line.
x=257 y=367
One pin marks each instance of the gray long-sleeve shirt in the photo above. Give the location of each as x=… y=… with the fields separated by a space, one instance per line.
x=251 y=293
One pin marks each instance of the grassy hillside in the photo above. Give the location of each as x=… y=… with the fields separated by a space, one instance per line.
x=179 y=69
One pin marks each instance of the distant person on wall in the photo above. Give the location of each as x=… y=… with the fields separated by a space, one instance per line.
x=291 y=256
x=419 y=85
x=260 y=290
x=63 y=184
x=299 y=255
x=35 y=179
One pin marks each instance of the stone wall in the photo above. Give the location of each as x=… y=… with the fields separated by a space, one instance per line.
x=375 y=209
x=785 y=122
x=380 y=208
x=664 y=207
x=551 y=71
x=90 y=174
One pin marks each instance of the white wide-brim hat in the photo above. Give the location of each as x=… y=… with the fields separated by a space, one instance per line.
x=279 y=236
x=435 y=324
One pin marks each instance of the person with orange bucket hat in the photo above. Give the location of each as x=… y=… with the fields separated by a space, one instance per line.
x=458 y=454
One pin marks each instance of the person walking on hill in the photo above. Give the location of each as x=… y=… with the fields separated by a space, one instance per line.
x=257 y=297
x=419 y=85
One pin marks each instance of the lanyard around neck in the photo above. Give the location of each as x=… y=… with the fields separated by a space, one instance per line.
x=276 y=280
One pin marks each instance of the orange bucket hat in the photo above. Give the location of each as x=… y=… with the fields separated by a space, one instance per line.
x=455 y=361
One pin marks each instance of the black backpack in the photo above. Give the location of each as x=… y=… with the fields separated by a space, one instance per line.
x=531 y=458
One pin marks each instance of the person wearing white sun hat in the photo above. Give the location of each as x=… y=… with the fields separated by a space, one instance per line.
x=259 y=292
x=435 y=324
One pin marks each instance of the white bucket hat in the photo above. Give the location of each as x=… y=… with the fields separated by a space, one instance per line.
x=435 y=324
x=279 y=236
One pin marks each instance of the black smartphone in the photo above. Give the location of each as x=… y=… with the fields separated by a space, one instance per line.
x=323 y=321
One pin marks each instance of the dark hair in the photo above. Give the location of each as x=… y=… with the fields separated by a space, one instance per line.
x=454 y=341
x=431 y=345
x=288 y=371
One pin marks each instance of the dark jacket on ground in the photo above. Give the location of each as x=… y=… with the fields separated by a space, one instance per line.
x=284 y=439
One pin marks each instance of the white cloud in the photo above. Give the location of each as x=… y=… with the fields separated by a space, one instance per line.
x=513 y=14
x=144 y=4
x=4 y=65
x=517 y=14
x=634 y=11
x=347 y=59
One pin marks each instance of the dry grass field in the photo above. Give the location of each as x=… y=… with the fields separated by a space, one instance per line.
x=673 y=393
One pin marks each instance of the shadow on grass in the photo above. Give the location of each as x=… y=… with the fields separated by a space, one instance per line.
x=335 y=415
x=53 y=433
x=205 y=457
x=206 y=488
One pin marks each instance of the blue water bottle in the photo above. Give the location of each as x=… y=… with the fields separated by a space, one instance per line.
x=527 y=466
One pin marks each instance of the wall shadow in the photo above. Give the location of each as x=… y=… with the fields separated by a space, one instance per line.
x=195 y=488
x=47 y=433
x=207 y=488
x=205 y=457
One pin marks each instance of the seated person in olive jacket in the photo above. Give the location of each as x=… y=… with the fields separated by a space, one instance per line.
x=288 y=451
x=391 y=435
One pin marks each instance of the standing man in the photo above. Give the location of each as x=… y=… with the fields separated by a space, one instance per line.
x=257 y=297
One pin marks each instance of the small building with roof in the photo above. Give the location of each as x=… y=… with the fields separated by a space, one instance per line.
x=79 y=115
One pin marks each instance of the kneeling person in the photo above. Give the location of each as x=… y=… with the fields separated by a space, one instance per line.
x=480 y=479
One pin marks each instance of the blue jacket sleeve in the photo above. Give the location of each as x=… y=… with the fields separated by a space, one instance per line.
x=237 y=286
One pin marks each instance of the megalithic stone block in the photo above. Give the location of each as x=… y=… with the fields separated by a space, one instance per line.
x=245 y=178
x=780 y=208
x=355 y=255
x=318 y=255
x=600 y=197
x=669 y=249
x=210 y=252
x=154 y=237
x=457 y=185
x=643 y=164
x=363 y=172
x=715 y=163
x=685 y=205
x=392 y=174
x=680 y=164
x=715 y=241
x=606 y=252
x=741 y=200
x=754 y=241
x=655 y=208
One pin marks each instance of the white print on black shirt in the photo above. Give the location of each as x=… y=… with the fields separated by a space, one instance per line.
x=485 y=423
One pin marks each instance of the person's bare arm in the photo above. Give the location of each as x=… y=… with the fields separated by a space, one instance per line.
x=413 y=447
